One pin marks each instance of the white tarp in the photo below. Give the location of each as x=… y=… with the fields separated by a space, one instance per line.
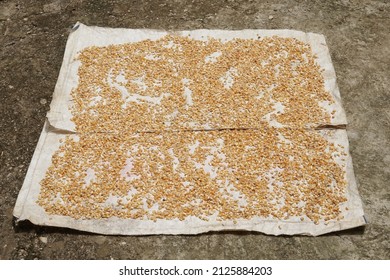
x=59 y=124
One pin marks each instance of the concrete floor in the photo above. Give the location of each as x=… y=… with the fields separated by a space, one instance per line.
x=32 y=40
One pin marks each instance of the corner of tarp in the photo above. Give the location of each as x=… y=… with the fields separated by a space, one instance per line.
x=76 y=26
x=53 y=128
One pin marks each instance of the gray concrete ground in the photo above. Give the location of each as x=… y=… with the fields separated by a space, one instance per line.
x=32 y=39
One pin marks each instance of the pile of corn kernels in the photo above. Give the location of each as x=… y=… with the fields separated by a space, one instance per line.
x=177 y=127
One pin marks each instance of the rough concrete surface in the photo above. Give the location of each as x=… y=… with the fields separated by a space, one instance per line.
x=32 y=39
